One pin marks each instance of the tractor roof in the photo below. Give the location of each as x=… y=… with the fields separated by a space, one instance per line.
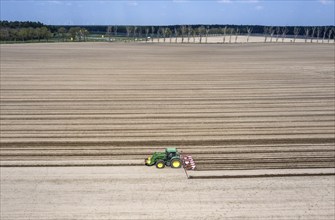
x=171 y=150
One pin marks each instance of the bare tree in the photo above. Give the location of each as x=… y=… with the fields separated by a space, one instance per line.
x=109 y=32
x=278 y=31
x=134 y=35
x=146 y=34
x=271 y=32
x=85 y=33
x=284 y=32
x=194 y=33
x=224 y=30
x=163 y=30
x=176 y=34
x=207 y=31
x=140 y=32
x=115 y=30
x=330 y=34
x=168 y=33
x=128 y=29
x=183 y=31
x=201 y=31
x=152 y=33
x=324 y=34
x=306 y=34
x=236 y=34
x=230 y=34
x=189 y=32
x=249 y=30
x=313 y=32
x=159 y=34
x=296 y=32
x=265 y=34
x=318 y=32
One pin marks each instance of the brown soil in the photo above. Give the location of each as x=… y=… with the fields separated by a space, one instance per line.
x=238 y=109
x=230 y=106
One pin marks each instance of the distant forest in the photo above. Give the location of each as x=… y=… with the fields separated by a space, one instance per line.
x=28 y=30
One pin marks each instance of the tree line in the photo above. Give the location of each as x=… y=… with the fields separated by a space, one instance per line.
x=27 y=30
x=197 y=30
x=21 y=24
x=43 y=33
x=24 y=34
x=214 y=28
x=229 y=34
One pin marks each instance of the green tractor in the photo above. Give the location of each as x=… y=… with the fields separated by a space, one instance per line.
x=170 y=157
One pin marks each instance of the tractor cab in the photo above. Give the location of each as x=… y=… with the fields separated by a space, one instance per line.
x=171 y=152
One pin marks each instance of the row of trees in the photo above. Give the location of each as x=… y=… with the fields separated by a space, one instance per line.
x=23 y=34
x=23 y=31
x=229 y=34
x=21 y=24
x=74 y=33
x=43 y=33
x=28 y=30
x=308 y=33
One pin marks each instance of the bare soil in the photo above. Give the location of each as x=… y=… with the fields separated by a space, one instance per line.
x=44 y=193
x=255 y=108
x=250 y=106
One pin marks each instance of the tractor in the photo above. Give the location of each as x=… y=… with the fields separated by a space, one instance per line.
x=170 y=157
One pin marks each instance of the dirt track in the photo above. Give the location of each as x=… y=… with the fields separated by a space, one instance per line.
x=148 y=193
x=231 y=106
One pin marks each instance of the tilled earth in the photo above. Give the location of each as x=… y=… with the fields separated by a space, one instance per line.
x=101 y=193
x=243 y=106
x=240 y=110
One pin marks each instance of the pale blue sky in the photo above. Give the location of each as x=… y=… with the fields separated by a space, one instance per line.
x=166 y=12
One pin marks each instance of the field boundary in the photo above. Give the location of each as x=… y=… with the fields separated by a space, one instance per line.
x=71 y=163
x=262 y=173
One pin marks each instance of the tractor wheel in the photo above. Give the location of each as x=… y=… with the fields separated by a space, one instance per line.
x=160 y=164
x=176 y=163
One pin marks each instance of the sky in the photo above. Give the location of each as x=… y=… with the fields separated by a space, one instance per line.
x=170 y=12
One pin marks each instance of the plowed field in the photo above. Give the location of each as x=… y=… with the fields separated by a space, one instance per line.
x=250 y=106
x=244 y=110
